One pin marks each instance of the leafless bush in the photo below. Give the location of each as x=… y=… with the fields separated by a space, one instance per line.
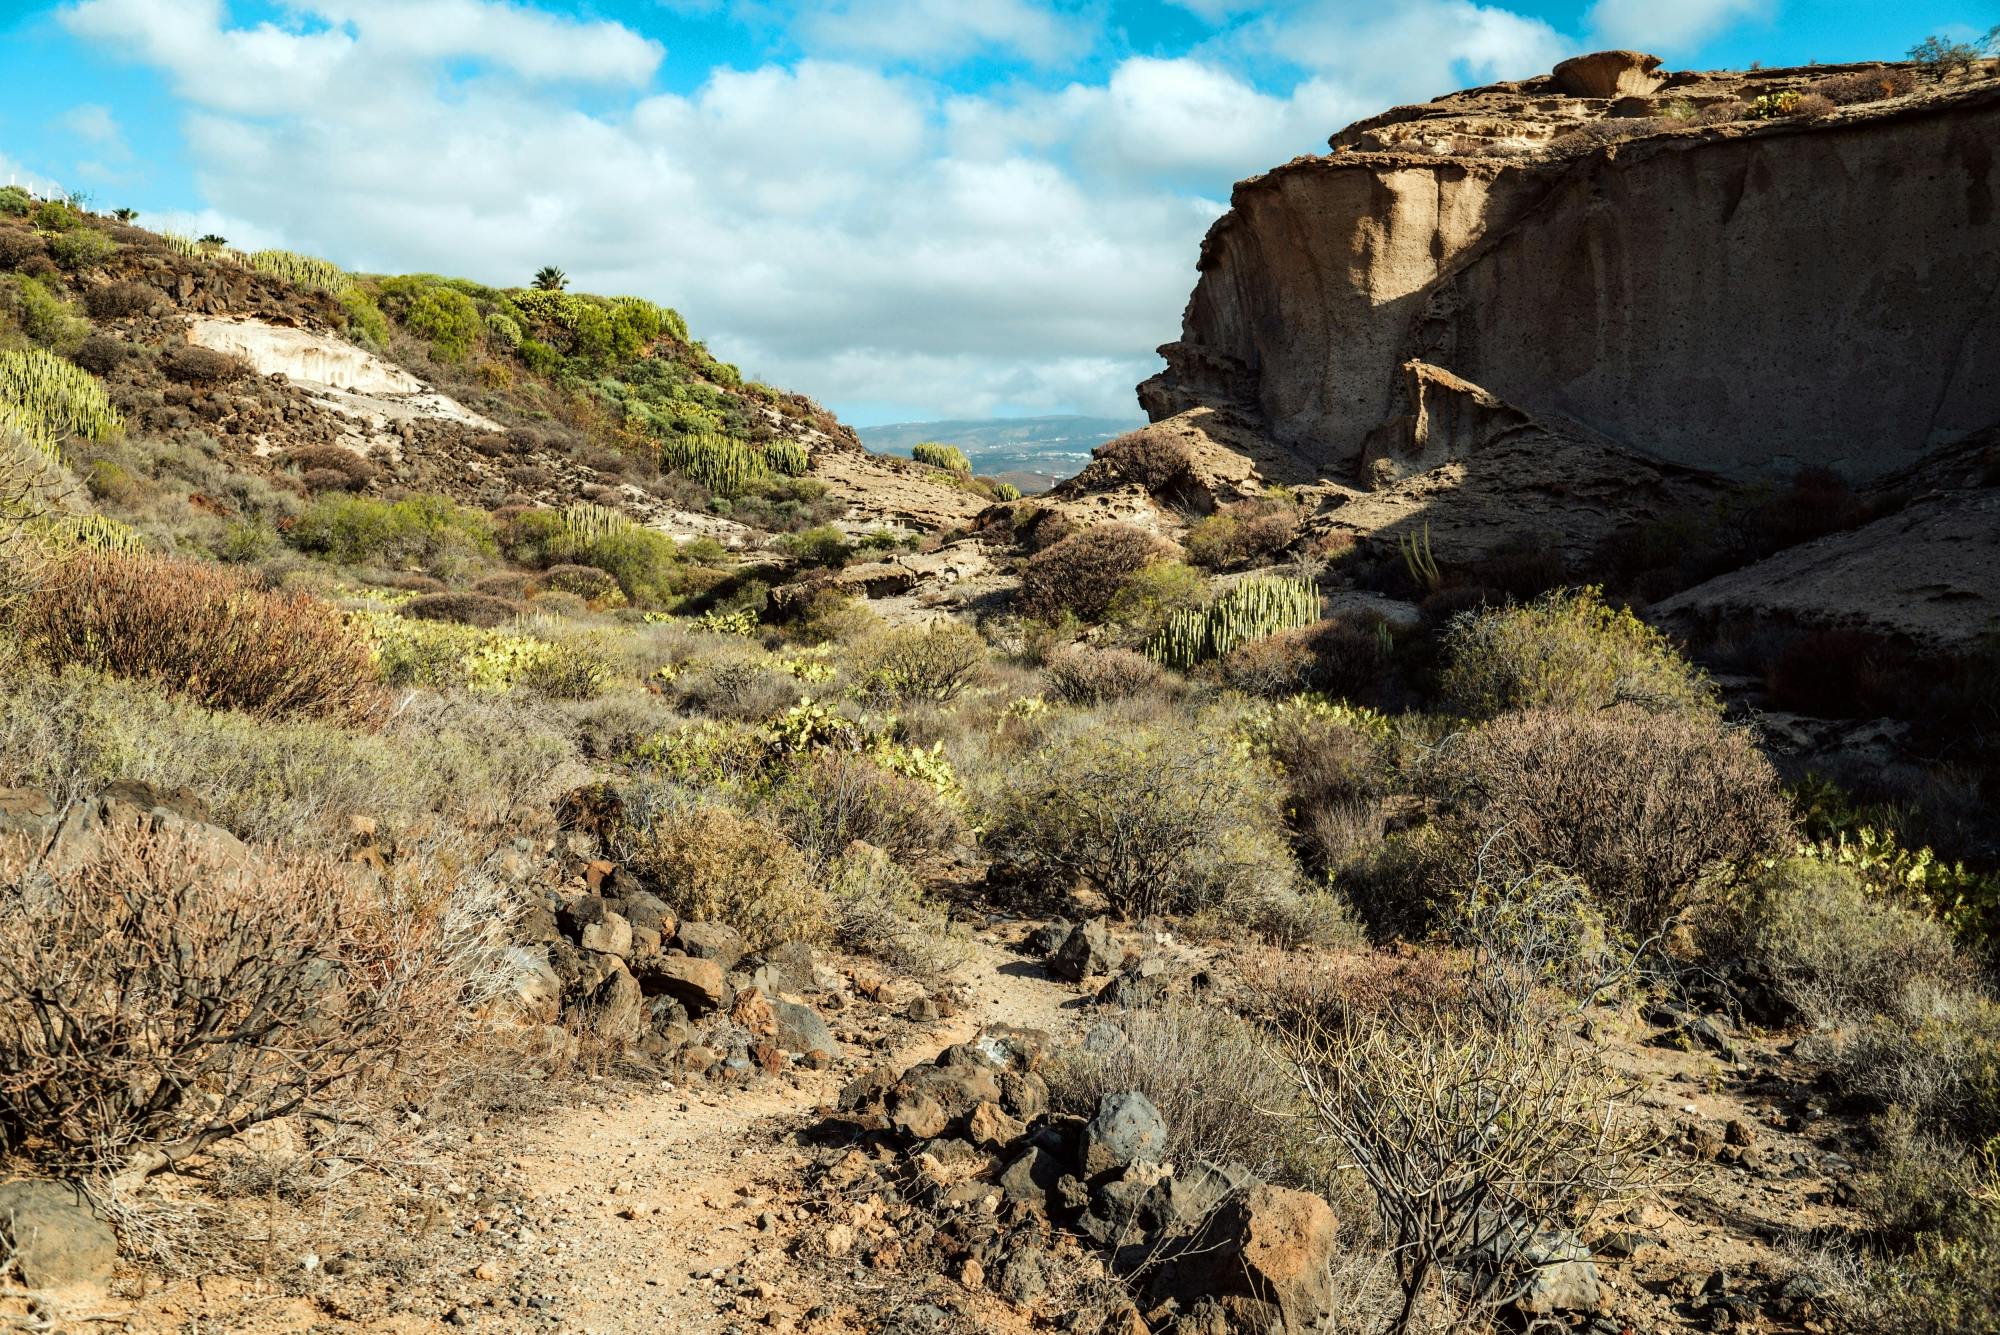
x=880 y=912
x=835 y=799
x=935 y=662
x=160 y=992
x=1865 y=86
x=1649 y=809
x=202 y=366
x=1084 y=676
x=1481 y=1147
x=1223 y=1094
x=1150 y=458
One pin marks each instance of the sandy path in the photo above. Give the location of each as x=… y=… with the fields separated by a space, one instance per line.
x=675 y=1210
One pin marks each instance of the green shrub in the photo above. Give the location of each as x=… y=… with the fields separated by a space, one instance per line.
x=15 y=202
x=43 y=316
x=713 y=863
x=203 y=632
x=644 y=562
x=1249 y=611
x=938 y=455
x=1006 y=491
x=566 y=670
x=429 y=531
x=1651 y=810
x=823 y=545
x=1246 y=533
x=1082 y=574
x=1569 y=651
x=1153 y=595
x=1831 y=948
x=936 y=662
x=1157 y=819
x=449 y=319
x=81 y=248
x=366 y=324
x=880 y=912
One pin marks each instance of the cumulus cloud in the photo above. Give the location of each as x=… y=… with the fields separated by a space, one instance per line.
x=1651 y=25
x=944 y=30
x=844 y=223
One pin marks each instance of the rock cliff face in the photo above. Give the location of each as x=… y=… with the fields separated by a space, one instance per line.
x=1746 y=297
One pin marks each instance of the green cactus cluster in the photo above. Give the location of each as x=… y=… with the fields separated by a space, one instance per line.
x=726 y=467
x=1006 y=491
x=89 y=533
x=304 y=271
x=1252 y=610
x=948 y=457
x=585 y=522
x=47 y=399
x=787 y=457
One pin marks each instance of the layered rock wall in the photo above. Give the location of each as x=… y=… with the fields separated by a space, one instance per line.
x=1748 y=298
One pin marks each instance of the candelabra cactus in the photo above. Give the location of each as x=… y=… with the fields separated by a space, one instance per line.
x=1252 y=610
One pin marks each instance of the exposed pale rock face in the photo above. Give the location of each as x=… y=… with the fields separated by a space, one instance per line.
x=1746 y=299
x=1610 y=74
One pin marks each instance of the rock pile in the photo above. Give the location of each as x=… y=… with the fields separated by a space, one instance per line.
x=961 y=1164
x=616 y=962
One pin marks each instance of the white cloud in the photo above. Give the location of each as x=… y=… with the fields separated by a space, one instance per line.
x=1676 y=25
x=94 y=122
x=865 y=236
x=943 y=30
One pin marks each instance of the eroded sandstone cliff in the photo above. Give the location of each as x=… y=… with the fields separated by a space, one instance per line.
x=1745 y=297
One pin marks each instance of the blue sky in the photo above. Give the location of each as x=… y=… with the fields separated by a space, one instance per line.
x=907 y=208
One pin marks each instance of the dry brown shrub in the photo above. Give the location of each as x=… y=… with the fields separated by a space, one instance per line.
x=713 y=863
x=111 y=301
x=1151 y=459
x=464 y=609
x=1082 y=574
x=1865 y=86
x=162 y=990
x=1811 y=106
x=1649 y=809
x=1080 y=675
x=835 y=799
x=1346 y=656
x=202 y=632
x=202 y=366
x=355 y=470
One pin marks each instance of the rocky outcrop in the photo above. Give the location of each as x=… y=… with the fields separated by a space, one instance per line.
x=1745 y=298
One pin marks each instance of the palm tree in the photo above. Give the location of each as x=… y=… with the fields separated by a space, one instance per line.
x=551 y=279
x=214 y=242
x=125 y=215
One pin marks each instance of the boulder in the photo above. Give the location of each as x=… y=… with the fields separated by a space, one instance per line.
x=533 y=990
x=800 y=1029
x=714 y=941
x=1265 y=1255
x=787 y=967
x=1087 y=950
x=52 y=1236
x=610 y=934
x=618 y=1009
x=697 y=984
x=990 y=1128
x=1030 y=1176
x=1126 y=1129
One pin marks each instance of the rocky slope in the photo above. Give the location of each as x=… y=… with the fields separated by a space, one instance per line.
x=1745 y=297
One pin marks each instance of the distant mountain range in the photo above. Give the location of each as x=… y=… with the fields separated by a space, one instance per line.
x=1031 y=452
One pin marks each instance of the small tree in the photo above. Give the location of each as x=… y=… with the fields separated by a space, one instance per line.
x=548 y=278
x=125 y=215
x=1940 y=57
x=1482 y=1146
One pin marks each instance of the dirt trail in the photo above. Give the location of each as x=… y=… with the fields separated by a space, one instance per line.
x=674 y=1210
